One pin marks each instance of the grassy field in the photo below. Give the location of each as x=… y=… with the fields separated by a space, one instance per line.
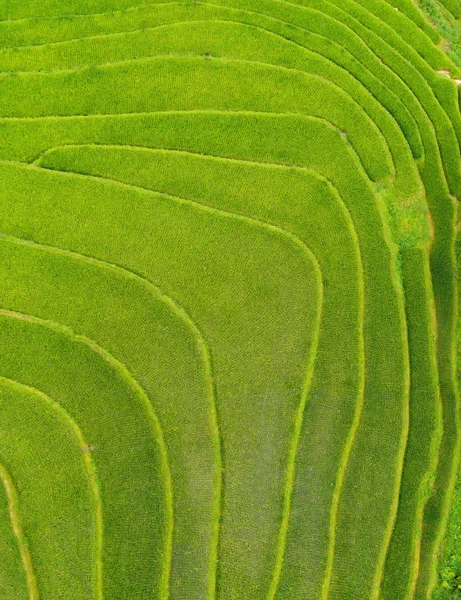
x=229 y=300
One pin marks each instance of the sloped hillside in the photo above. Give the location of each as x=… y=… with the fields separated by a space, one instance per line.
x=229 y=300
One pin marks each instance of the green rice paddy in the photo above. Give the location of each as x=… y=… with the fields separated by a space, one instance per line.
x=229 y=319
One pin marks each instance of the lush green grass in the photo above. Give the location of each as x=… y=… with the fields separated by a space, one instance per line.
x=425 y=416
x=406 y=25
x=450 y=563
x=229 y=39
x=448 y=27
x=199 y=180
x=450 y=560
x=178 y=84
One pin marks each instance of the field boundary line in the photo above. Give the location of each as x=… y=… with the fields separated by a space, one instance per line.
x=301 y=8
x=296 y=436
x=89 y=468
x=264 y=16
x=132 y=382
x=204 y=351
x=234 y=22
x=348 y=447
x=325 y=15
x=229 y=9
x=230 y=22
x=104 y=36
x=295 y=241
x=356 y=421
x=168 y=57
x=429 y=580
x=249 y=12
x=400 y=455
x=233 y=61
x=269 y=115
x=23 y=547
x=311 y=171
x=389 y=61
x=410 y=56
x=429 y=479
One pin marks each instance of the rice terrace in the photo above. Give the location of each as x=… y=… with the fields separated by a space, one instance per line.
x=230 y=241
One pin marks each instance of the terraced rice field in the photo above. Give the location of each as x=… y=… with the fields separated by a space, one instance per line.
x=229 y=300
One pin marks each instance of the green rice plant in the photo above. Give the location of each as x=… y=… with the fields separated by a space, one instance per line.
x=446 y=295
x=18 y=579
x=285 y=353
x=401 y=219
x=268 y=88
x=438 y=505
x=453 y=7
x=403 y=557
x=197 y=8
x=217 y=39
x=437 y=190
x=231 y=39
x=59 y=504
x=333 y=142
x=400 y=151
x=311 y=23
x=159 y=16
x=99 y=396
x=198 y=11
x=420 y=36
x=412 y=11
x=447 y=27
x=445 y=292
x=35 y=31
x=40 y=30
x=409 y=45
x=14 y=9
x=409 y=76
x=235 y=40
x=450 y=561
x=308 y=206
x=167 y=348
x=209 y=180
x=243 y=42
x=401 y=32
